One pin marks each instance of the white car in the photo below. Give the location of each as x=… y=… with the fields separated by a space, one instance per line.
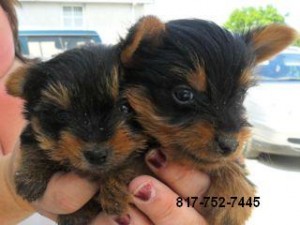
x=274 y=106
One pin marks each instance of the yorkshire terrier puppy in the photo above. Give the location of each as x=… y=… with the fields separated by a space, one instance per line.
x=76 y=122
x=186 y=80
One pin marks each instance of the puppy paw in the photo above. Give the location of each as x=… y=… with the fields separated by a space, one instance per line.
x=73 y=219
x=115 y=207
x=114 y=200
x=29 y=187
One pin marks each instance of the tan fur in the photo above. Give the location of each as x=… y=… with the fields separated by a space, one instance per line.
x=197 y=79
x=15 y=82
x=149 y=27
x=57 y=94
x=36 y=125
x=117 y=197
x=242 y=137
x=115 y=83
x=272 y=39
x=45 y=142
x=247 y=78
x=123 y=142
x=228 y=181
x=69 y=147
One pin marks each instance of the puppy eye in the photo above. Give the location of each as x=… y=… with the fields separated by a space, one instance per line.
x=125 y=108
x=62 y=117
x=183 y=95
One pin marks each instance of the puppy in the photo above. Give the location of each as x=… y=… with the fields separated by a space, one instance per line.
x=76 y=122
x=186 y=80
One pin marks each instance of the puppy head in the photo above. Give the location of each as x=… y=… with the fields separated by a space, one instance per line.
x=187 y=81
x=72 y=104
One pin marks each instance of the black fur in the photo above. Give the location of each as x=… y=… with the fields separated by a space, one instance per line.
x=86 y=74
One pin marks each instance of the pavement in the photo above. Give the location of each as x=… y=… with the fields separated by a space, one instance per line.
x=278 y=182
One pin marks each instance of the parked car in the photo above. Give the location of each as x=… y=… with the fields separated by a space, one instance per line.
x=274 y=106
x=47 y=43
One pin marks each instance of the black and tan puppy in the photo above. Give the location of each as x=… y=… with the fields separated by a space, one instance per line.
x=186 y=80
x=76 y=122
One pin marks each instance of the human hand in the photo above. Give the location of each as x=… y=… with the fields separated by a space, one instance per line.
x=156 y=202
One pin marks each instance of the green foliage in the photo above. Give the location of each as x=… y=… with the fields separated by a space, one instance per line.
x=297 y=43
x=245 y=18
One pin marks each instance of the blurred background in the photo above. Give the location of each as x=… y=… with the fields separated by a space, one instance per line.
x=48 y=27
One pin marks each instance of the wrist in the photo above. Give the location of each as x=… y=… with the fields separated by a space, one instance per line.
x=13 y=208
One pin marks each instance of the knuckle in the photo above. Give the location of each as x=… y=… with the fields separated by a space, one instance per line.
x=181 y=174
x=204 y=183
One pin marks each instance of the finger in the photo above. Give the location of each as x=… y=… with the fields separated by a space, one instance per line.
x=103 y=219
x=183 y=180
x=134 y=217
x=66 y=193
x=158 y=202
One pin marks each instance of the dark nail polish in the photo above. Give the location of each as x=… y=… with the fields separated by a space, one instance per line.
x=125 y=220
x=157 y=159
x=144 y=193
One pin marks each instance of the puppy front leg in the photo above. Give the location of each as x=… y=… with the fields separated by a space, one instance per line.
x=114 y=196
x=35 y=169
x=228 y=187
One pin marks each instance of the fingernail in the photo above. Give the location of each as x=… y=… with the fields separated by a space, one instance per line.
x=157 y=159
x=124 y=220
x=144 y=192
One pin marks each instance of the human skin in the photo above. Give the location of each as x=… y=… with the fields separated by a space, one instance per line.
x=11 y=121
x=7 y=53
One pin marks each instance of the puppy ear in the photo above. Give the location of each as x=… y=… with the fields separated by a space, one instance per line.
x=16 y=81
x=148 y=28
x=269 y=40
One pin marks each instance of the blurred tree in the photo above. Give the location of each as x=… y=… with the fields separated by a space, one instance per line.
x=245 y=18
x=242 y=19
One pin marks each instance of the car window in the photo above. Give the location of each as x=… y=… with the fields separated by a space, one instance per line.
x=283 y=67
x=47 y=47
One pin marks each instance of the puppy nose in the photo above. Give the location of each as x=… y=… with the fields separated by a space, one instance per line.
x=96 y=156
x=227 y=144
